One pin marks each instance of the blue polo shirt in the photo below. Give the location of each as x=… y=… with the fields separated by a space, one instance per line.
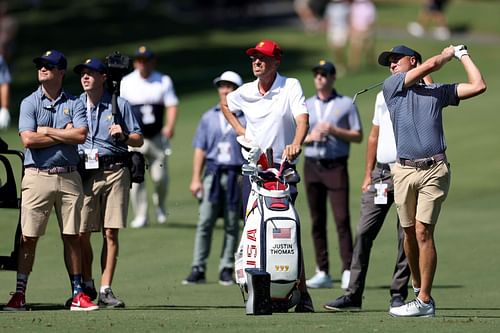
x=100 y=118
x=416 y=114
x=38 y=110
x=215 y=133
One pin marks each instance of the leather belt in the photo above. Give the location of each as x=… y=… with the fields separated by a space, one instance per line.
x=53 y=170
x=423 y=163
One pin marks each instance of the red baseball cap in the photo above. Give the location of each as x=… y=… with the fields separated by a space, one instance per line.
x=266 y=47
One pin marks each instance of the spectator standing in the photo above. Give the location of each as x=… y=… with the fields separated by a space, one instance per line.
x=152 y=96
x=334 y=124
x=51 y=124
x=218 y=153
x=106 y=181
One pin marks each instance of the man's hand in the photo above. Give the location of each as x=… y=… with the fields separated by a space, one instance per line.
x=291 y=152
x=116 y=131
x=167 y=132
x=42 y=130
x=460 y=51
x=448 y=53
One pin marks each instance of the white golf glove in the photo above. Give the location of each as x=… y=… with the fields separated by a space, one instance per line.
x=4 y=118
x=460 y=50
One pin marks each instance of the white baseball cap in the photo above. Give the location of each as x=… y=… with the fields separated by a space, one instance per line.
x=229 y=76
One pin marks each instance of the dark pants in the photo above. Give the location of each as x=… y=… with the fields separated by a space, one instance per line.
x=329 y=178
x=370 y=222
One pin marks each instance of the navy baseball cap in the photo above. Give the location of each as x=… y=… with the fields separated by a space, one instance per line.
x=93 y=64
x=383 y=58
x=324 y=67
x=144 y=52
x=52 y=57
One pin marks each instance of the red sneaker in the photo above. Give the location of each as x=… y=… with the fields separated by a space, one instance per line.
x=16 y=303
x=81 y=302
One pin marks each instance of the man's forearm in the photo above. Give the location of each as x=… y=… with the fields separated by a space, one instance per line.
x=66 y=135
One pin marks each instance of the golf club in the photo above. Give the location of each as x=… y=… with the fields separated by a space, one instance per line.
x=365 y=90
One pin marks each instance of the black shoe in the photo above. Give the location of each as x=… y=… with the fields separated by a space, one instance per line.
x=397 y=300
x=197 y=276
x=226 y=277
x=91 y=292
x=305 y=304
x=343 y=303
x=108 y=300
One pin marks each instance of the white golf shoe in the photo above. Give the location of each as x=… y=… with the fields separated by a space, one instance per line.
x=415 y=308
x=320 y=280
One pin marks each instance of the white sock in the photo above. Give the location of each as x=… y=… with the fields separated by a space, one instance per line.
x=103 y=288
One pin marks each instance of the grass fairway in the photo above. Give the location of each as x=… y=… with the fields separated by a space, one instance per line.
x=153 y=261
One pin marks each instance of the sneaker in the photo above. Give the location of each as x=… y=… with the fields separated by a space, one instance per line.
x=416 y=29
x=91 y=292
x=81 y=302
x=161 y=217
x=197 y=276
x=346 y=276
x=17 y=302
x=415 y=308
x=226 y=277
x=441 y=33
x=138 y=222
x=108 y=300
x=397 y=301
x=343 y=303
x=305 y=304
x=320 y=280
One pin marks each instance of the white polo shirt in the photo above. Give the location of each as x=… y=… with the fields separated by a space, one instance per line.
x=270 y=117
x=386 y=147
x=156 y=89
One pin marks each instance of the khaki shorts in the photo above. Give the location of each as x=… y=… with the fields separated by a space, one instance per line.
x=42 y=191
x=419 y=193
x=106 y=200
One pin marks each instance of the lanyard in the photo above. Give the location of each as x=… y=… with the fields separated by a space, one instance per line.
x=225 y=127
x=322 y=116
x=89 y=119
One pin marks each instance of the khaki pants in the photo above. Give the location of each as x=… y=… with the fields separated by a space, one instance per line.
x=419 y=193
x=40 y=192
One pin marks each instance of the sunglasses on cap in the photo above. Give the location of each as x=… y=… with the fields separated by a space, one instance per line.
x=46 y=65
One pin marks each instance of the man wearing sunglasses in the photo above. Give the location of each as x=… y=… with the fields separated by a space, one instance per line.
x=422 y=173
x=276 y=117
x=334 y=124
x=51 y=124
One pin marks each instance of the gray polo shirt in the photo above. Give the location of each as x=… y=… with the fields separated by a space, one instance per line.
x=416 y=114
x=38 y=110
x=339 y=111
x=100 y=118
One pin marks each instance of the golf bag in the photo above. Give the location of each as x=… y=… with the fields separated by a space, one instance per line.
x=270 y=242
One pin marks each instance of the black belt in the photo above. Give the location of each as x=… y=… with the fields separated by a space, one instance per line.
x=383 y=166
x=53 y=170
x=423 y=163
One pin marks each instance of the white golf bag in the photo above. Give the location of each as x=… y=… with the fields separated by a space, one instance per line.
x=270 y=242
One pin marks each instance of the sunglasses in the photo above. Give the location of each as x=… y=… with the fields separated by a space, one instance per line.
x=46 y=65
x=262 y=58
